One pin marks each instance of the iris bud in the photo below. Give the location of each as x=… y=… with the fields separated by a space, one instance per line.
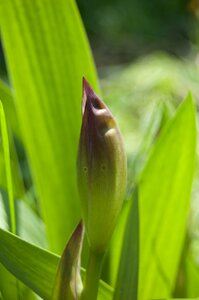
x=101 y=170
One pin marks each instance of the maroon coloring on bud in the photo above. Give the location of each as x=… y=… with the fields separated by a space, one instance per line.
x=101 y=169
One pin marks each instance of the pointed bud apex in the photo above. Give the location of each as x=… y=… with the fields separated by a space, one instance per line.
x=101 y=170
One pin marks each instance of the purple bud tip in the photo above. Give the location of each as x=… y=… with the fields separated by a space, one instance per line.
x=90 y=96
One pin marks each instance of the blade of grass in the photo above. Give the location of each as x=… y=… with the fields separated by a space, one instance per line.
x=3 y=215
x=13 y=131
x=9 y=108
x=165 y=188
x=127 y=279
x=18 y=185
x=10 y=287
x=47 y=54
x=8 y=168
x=35 y=266
x=116 y=244
x=8 y=282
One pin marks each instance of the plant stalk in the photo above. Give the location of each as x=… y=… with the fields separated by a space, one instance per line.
x=93 y=273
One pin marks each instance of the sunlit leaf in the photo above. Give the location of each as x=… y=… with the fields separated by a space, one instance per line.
x=7 y=168
x=47 y=54
x=116 y=243
x=165 y=188
x=127 y=280
x=30 y=227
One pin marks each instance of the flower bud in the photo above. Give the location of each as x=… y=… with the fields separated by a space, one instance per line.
x=101 y=170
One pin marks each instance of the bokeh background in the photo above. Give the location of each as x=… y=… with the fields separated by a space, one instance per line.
x=147 y=57
x=120 y=31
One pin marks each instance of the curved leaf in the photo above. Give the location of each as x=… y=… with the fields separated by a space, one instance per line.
x=35 y=266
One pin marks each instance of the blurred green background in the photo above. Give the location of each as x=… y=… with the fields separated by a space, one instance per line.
x=120 y=31
x=147 y=56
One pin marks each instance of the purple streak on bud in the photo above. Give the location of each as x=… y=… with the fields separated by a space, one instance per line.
x=101 y=169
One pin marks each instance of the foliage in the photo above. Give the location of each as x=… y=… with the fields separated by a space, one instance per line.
x=151 y=252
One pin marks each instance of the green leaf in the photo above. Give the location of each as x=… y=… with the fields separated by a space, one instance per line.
x=47 y=54
x=3 y=215
x=13 y=124
x=9 y=107
x=7 y=168
x=9 y=285
x=68 y=283
x=18 y=186
x=165 y=188
x=29 y=225
x=127 y=280
x=191 y=277
x=35 y=266
x=116 y=243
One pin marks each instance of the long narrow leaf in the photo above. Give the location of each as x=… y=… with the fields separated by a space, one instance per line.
x=127 y=280
x=14 y=130
x=10 y=287
x=8 y=284
x=35 y=266
x=7 y=168
x=9 y=108
x=47 y=54
x=164 y=203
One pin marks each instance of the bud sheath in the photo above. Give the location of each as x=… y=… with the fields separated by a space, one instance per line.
x=101 y=170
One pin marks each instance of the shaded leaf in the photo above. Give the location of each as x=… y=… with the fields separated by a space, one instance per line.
x=192 y=277
x=10 y=287
x=9 y=107
x=13 y=124
x=35 y=266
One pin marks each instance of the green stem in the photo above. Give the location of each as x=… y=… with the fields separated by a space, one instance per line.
x=93 y=273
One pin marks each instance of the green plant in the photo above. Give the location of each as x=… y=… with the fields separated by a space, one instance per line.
x=47 y=54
